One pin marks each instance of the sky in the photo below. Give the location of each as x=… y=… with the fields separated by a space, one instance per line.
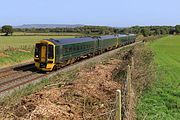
x=116 y=13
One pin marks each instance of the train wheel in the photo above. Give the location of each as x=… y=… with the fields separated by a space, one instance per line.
x=55 y=68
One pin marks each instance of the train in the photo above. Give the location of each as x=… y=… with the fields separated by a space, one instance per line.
x=52 y=54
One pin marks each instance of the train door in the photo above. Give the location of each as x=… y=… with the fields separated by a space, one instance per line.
x=97 y=45
x=43 y=57
x=100 y=44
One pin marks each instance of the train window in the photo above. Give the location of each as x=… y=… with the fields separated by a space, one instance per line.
x=74 y=48
x=77 y=47
x=70 y=49
x=37 y=50
x=50 y=52
x=66 y=50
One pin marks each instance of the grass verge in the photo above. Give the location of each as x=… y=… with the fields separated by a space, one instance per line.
x=10 y=57
x=162 y=100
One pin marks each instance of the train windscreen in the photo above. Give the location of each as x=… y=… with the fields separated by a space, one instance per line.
x=37 y=50
x=50 y=52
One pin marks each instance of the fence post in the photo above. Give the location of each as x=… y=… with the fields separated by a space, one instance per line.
x=118 y=105
x=132 y=63
x=129 y=82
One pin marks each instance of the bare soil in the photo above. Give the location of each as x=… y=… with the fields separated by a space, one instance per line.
x=91 y=96
x=21 y=50
x=3 y=55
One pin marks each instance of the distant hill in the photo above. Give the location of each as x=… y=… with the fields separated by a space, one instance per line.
x=48 y=26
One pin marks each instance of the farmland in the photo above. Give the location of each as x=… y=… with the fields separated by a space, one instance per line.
x=21 y=41
x=15 y=49
x=162 y=100
x=43 y=34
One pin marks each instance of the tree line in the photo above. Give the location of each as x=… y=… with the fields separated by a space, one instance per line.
x=99 y=30
x=152 y=30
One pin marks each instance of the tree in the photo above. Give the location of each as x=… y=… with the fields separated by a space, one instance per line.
x=157 y=31
x=177 y=28
x=7 y=29
x=145 y=32
x=116 y=31
x=102 y=32
x=163 y=31
x=88 y=31
x=126 y=31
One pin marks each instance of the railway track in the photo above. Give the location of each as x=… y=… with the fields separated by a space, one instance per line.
x=13 y=70
x=16 y=76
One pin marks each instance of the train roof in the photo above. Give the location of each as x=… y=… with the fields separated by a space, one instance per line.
x=64 y=41
x=71 y=40
x=124 y=35
x=108 y=37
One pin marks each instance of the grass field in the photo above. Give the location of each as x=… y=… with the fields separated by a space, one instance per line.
x=21 y=41
x=14 y=49
x=44 y=34
x=162 y=100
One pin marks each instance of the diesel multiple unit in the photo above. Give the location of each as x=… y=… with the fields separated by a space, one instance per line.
x=51 y=54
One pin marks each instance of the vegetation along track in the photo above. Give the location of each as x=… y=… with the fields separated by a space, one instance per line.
x=20 y=75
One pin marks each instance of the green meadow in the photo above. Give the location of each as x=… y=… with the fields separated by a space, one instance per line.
x=15 y=49
x=22 y=41
x=162 y=100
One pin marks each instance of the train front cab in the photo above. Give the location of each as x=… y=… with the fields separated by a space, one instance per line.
x=44 y=55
